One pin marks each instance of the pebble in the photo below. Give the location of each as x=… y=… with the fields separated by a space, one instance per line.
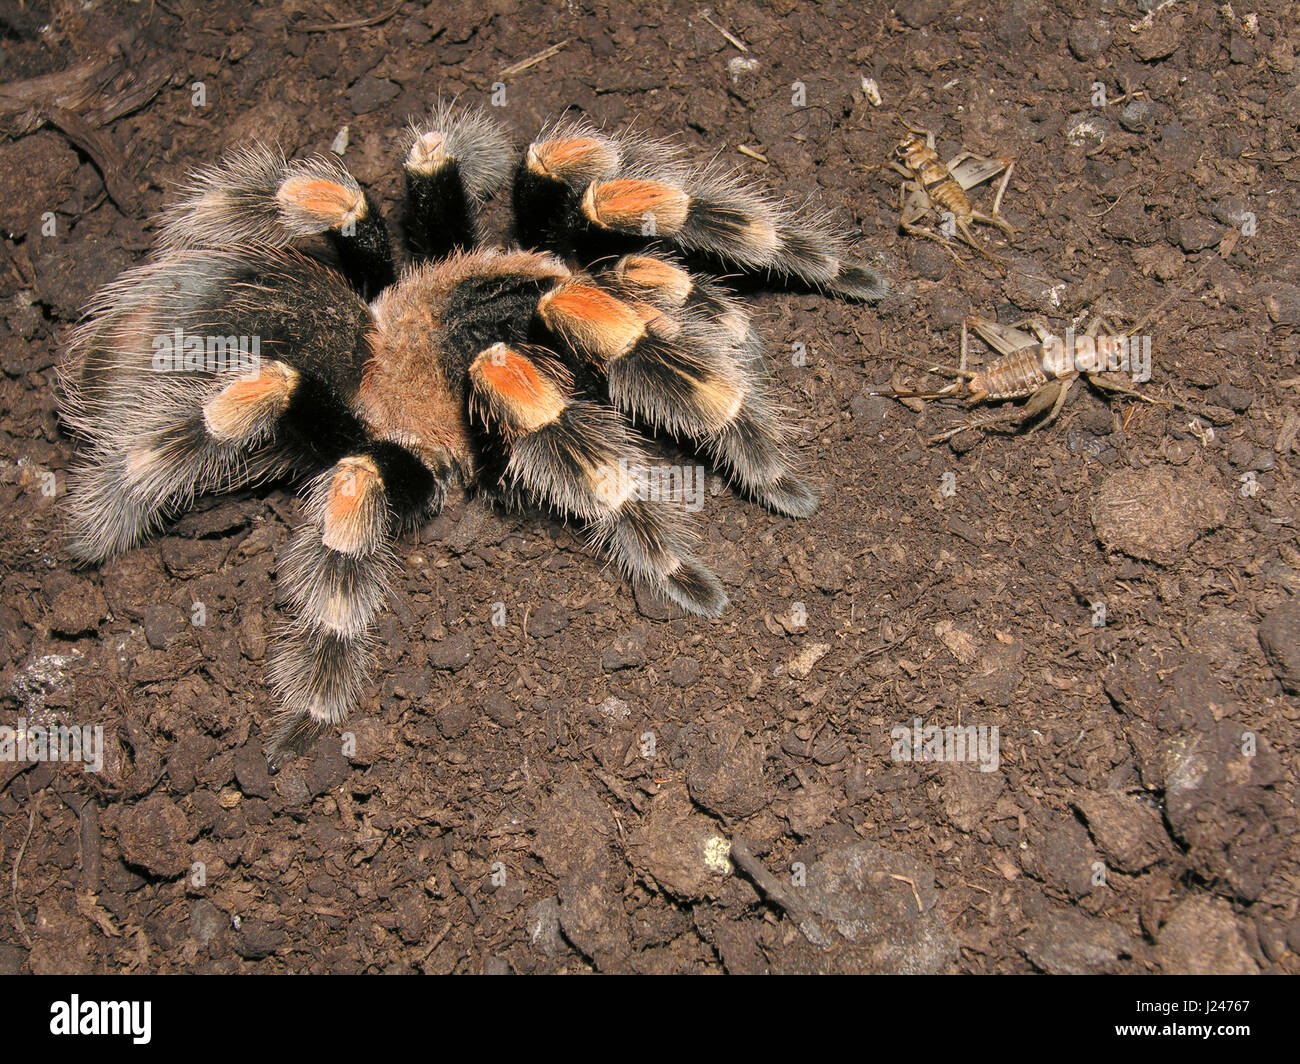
x=1086 y=129
x=1282 y=301
x=1231 y=210
x=1138 y=116
x=615 y=709
x=742 y=66
x=370 y=93
x=454 y=720
x=163 y=625
x=1088 y=38
x=929 y=260
x=206 y=921
x=803 y=662
x=1194 y=234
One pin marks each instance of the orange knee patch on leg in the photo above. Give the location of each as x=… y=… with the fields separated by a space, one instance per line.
x=574 y=160
x=611 y=484
x=353 y=511
x=245 y=406
x=761 y=237
x=328 y=202
x=652 y=208
x=664 y=280
x=520 y=396
x=720 y=400
x=591 y=319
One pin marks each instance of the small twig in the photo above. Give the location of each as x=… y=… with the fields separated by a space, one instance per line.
x=911 y=883
x=752 y=153
x=777 y=892
x=1122 y=194
x=473 y=902
x=361 y=23
x=731 y=38
x=540 y=57
x=18 y=860
x=102 y=151
x=100 y=92
x=437 y=940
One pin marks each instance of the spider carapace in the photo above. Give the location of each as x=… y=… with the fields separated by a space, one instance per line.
x=271 y=333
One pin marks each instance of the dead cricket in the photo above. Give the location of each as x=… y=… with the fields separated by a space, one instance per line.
x=935 y=188
x=1041 y=368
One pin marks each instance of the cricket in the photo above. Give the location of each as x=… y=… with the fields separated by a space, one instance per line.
x=936 y=190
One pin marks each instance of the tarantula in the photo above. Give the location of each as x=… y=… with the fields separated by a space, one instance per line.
x=524 y=371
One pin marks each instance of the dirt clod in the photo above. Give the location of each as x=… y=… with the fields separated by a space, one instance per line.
x=153 y=834
x=1129 y=833
x=1063 y=941
x=1204 y=937
x=878 y=908
x=1156 y=514
x=1279 y=635
x=724 y=771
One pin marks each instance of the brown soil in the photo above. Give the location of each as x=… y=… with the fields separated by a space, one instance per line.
x=555 y=794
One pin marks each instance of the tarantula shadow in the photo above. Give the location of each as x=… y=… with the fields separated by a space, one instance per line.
x=526 y=371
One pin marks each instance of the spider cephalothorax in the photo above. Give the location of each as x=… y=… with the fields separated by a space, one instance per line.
x=241 y=352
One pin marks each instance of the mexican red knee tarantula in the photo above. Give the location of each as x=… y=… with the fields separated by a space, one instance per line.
x=236 y=354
